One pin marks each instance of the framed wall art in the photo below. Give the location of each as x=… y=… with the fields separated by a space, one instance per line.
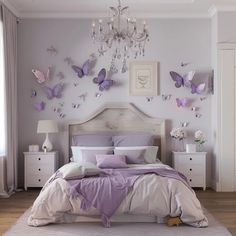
x=144 y=78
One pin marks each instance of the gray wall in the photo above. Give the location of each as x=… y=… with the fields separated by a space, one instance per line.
x=172 y=41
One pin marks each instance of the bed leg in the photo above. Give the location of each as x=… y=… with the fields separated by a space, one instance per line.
x=174 y=221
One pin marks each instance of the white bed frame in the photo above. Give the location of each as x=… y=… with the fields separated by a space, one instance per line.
x=120 y=118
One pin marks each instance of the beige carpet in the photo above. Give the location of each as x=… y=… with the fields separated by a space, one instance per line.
x=118 y=229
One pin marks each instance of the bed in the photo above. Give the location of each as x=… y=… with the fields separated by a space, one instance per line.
x=153 y=196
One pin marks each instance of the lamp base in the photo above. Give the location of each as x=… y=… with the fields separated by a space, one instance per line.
x=47 y=145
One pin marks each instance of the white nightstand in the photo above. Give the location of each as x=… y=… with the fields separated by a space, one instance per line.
x=192 y=165
x=39 y=166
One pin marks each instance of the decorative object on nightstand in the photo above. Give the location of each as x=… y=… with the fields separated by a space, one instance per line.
x=47 y=127
x=39 y=166
x=191 y=148
x=178 y=136
x=200 y=139
x=192 y=165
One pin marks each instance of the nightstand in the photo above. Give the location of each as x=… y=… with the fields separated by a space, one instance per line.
x=192 y=165
x=39 y=166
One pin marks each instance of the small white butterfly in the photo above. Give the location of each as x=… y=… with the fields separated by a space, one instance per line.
x=149 y=99
x=98 y=95
x=203 y=98
x=33 y=93
x=76 y=84
x=83 y=96
x=56 y=109
x=166 y=97
x=69 y=61
x=75 y=106
x=194 y=108
x=52 y=50
x=62 y=115
x=198 y=115
x=184 y=124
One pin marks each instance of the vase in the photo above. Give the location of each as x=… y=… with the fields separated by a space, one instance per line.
x=200 y=147
x=178 y=145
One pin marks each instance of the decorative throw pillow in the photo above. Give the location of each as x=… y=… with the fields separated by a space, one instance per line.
x=88 y=154
x=111 y=161
x=133 y=140
x=75 y=170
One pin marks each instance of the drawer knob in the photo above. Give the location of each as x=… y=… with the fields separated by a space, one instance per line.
x=39 y=180
x=190 y=180
x=39 y=159
x=190 y=169
x=190 y=159
x=39 y=169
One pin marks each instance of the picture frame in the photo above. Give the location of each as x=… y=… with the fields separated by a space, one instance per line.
x=144 y=78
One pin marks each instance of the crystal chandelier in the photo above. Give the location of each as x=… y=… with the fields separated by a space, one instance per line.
x=120 y=33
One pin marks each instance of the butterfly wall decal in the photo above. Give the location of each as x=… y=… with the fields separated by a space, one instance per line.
x=183 y=64
x=69 y=61
x=83 y=96
x=39 y=106
x=194 y=108
x=198 y=115
x=60 y=75
x=198 y=89
x=182 y=102
x=103 y=83
x=33 y=93
x=149 y=99
x=203 y=98
x=166 y=97
x=182 y=81
x=54 y=92
x=184 y=124
x=52 y=50
x=41 y=76
x=98 y=95
x=75 y=105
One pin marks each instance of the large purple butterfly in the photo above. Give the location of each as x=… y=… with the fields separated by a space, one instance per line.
x=53 y=92
x=81 y=72
x=182 y=102
x=103 y=83
x=39 y=106
x=197 y=89
x=185 y=80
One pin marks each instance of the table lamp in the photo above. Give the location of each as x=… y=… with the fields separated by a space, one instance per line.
x=47 y=127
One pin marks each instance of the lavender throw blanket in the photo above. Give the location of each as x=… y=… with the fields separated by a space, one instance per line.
x=107 y=191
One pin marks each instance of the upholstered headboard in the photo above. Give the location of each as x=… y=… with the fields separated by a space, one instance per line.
x=121 y=118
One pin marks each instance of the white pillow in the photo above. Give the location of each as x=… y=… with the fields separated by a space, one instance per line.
x=150 y=154
x=79 y=170
x=88 y=154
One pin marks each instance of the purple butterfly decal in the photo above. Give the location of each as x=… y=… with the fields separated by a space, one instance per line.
x=182 y=102
x=103 y=83
x=81 y=72
x=53 y=92
x=39 y=106
x=198 y=89
x=180 y=80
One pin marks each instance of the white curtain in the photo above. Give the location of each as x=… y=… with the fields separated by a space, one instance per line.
x=9 y=23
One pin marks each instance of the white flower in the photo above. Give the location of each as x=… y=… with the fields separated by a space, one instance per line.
x=199 y=137
x=177 y=133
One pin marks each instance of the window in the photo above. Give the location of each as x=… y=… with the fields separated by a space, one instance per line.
x=2 y=96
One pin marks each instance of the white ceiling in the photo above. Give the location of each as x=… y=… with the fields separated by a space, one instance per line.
x=138 y=8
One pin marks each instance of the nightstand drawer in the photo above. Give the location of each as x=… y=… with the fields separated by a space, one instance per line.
x=191 y=169
x=195 y=180
x=39 y=159
x=189 y=159
x=40 y=169
x=37 y=180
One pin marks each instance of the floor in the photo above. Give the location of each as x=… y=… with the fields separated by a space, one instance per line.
x=221 y=205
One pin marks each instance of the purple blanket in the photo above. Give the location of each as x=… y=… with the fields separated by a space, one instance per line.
x=107 y=191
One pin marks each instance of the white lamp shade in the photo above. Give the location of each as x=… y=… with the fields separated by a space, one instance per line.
x=47 y=126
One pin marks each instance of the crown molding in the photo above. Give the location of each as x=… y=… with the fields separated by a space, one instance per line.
x=214 y=9
x=74 y=15
x=11 y=7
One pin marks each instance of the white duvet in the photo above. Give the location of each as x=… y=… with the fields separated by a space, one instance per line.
x=151 y=195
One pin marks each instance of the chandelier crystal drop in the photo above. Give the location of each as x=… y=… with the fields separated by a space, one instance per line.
x=121 y=34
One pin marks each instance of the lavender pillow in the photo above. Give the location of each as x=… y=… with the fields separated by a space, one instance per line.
x=133 y=140
x=134 y=156
x=111 y=161
x=92 y=140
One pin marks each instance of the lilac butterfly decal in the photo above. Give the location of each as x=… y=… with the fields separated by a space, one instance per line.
x=182 y=102
x=41 y=76
x=39 y=106
x=198 y=89
x=53 y=92
x=82 y=71
x=185 y=80
x=103 y=83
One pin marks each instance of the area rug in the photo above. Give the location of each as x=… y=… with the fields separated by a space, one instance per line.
x=118 y=229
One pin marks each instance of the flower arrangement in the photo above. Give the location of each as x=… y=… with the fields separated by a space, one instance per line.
x=199 y=137
x=177 y=133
